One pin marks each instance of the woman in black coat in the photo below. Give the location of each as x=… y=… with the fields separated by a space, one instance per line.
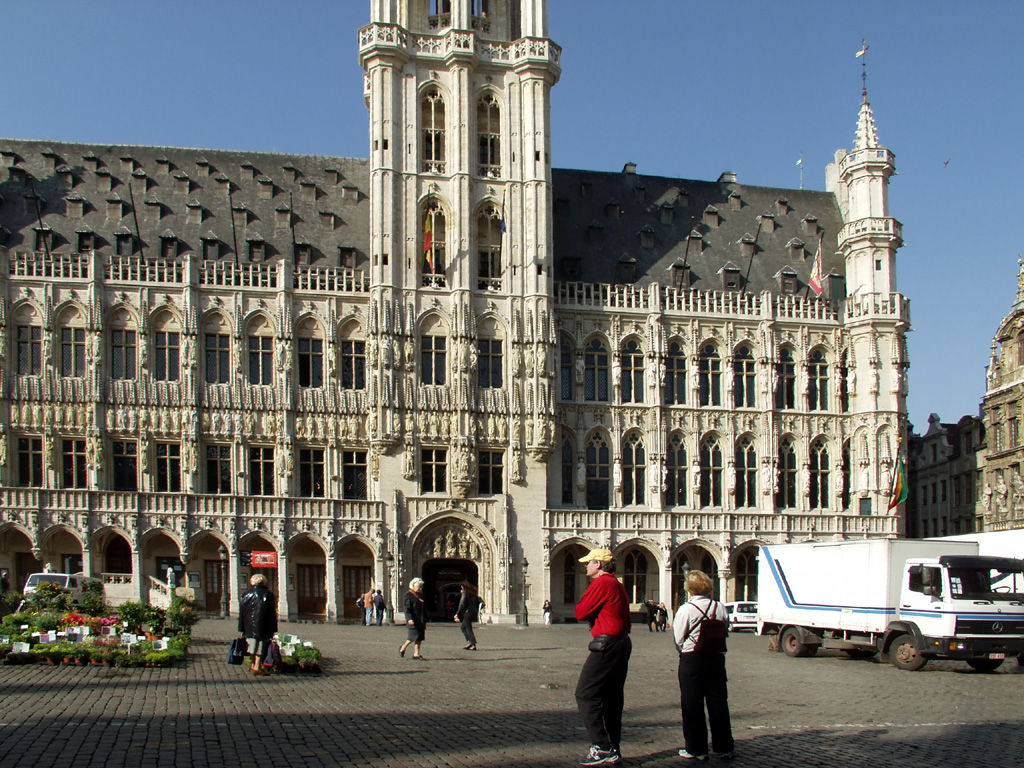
x=415 y=618
x=467 y=612
x=257 y=621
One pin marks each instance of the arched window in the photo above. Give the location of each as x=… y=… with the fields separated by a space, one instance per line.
x=433 y=125
x=785 y=497
x=634 y=576
x=217 y=349
x=675 y=376
x=310 y=355
x=634 y=469
x=817 y=382
x=488 y=247
x=261 y=352
x=166 y=348
x=710 y=473
x=680 y=570
x=569 y=571
x=746 y=473
x=632 y=373
x=598 y=472
x=710 y=376
x=675 y=476
x=489 y=363
x=744 y=382
x=844 y=385
x=847 y=477
x=353 y=357
x=746 y=575
x=72 y=344
x=567 y=473
x=123 y=348
x=434 y=234
x=819 y=468
x=565 y=369
x=595 y=376
x=785 y=380
x=488 y=127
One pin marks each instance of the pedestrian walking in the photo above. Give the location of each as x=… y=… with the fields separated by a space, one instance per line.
x=415 y=619
x=378 y=607
x=547 y=613
x=599 y=692
x=368 y=606
x=699 y=629
x=662 y=617
x=466 y=613
x=652 y=615
x=257 y=621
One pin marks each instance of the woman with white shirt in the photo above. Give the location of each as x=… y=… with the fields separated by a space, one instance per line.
x=702 y=678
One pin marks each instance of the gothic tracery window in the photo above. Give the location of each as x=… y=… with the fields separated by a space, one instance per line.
x=817 y=381
x=598 y=463
x=488 y=126
x=785 y=380
x=746 y=473
x=819 y=469
x=434 y=234
x=710 y=376
x=744 y=385
x=632 y=359
x=710 y=472
x=675 y=375
x=634 y=468
x=595 y=377
x=675 y=475
x=489 y=227
x=432 y=119
x=785 y=497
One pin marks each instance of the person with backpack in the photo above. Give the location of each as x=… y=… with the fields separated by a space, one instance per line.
x=699 y=630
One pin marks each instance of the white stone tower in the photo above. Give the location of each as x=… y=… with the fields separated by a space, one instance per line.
x=876 y=315
x=460 y=332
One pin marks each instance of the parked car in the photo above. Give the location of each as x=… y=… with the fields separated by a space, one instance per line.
x=71 y=581
x=742 y=615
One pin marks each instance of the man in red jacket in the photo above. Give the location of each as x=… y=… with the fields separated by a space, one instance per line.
x=599 y=692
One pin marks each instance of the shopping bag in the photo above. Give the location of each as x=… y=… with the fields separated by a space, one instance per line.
x=273 y=655
x=237 y=651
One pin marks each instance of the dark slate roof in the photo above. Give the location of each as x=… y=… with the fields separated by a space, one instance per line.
x=172 y=181
x=602 y=220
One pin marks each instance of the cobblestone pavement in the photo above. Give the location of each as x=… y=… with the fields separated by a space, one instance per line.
x=508 y=704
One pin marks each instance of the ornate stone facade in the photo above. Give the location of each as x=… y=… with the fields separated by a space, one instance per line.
x=447 y=359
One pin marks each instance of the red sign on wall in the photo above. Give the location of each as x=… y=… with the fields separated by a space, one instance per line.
x=264 y=559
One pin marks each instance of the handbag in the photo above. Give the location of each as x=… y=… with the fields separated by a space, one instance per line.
x=599 y=644
x=237 y=651
x=273 y=655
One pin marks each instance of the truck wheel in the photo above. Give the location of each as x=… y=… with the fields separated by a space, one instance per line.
x=904 y=654
x=984 y=665
x=791 y=645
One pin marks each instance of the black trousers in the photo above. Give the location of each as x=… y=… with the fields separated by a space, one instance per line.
x=702 y=680
x=467 y=631
x=599 y=692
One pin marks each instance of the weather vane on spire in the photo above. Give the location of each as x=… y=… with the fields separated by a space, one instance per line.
x=862 y=55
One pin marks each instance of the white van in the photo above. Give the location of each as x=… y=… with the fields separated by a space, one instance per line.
x=70 y=581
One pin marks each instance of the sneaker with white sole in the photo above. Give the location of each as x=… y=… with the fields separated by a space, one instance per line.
x=598 y=756
x=687 y=756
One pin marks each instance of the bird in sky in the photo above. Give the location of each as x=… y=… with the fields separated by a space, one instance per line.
x=946 y=164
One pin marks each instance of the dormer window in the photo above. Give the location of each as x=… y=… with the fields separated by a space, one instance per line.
x=595 y=233
x=810 y=224
x=787 y=282
x=347 y=257
x=65 y=174
x=796 y=248
x=168 y=245
x=127 y=163
x=735 y=201
x=265 y=190
x=75 y=207
x=767 y=222
x=282 y=217
x=747 y=246
x=139 y=182
x=731 y=277
x=223 y=184
x=327 y=220
x=86 y=240
x=782 y=206
x=16 y=175
x=104 y=180
x=248 y=170
x=290 y=172
x=666 y=213
x=90 y=162
x=332 y=175
x=647 y=237
x=44 y=238
x=349 y=192
x=612 y=210
x=303 y=251
x=123 y=242
x=307 y=191
x=639 y=193
x=163 y=166
x=257 y=248
x=239 y=214
x=202 y=167
x=681 y=275
x=211 y=247
x=194 y=212
x=115 y=207
x=711 y=217
x=695 y=242
x=182 y=184
x=154 y=210
x=625 y=270
x=571 y=268
x=585 y=189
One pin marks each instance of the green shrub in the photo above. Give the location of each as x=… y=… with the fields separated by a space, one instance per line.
x=93 y=603
x=46 y=622
x=182 y=616
x=12 y=600
x=155 y=619
x=132 y=615
x=51 y=597
x=159 y=658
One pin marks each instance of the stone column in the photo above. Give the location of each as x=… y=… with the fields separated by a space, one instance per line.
x=283 y=610
x=330 y=575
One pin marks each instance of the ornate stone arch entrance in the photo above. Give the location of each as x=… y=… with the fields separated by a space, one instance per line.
x=450 y=549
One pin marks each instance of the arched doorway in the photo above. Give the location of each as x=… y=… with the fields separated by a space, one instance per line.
x=568 y=582
x=746 y=574
x=212 y=573
x=16 y=549
x=441 y=585
x=692 y=558
x=355 y=572
x=307 y=562
x=62 y=551
x=160 y=552
x=639 y=573
x=257 y=554
x=451 y=550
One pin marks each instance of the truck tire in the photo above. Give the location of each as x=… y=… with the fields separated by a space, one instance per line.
x=904 y=653
x=984 y=665
x=791 y=645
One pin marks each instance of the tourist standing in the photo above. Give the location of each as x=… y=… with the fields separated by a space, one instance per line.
x=599 y=692
x=415 y=619
x=702 y=677
x=378 y=607
x=466 y=613
x=257 y=621
x=368 y=606
x=546 y=610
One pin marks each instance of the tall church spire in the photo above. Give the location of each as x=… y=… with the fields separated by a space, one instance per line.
x=867 y=134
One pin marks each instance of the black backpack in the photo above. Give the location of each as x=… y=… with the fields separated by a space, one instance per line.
x=711 y=638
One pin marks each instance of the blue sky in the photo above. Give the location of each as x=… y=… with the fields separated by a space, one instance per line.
x=682 y=88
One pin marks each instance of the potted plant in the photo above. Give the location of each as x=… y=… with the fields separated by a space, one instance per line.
x=289 y=665
x=308 y=659
x=99 y=655
x=159 y=659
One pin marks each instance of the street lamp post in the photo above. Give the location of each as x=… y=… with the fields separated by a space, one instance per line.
x=223 y=552
x=526 y=618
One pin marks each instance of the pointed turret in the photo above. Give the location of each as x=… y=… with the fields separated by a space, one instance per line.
x=867 y=134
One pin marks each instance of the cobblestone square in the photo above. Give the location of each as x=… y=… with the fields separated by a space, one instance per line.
x=508 y=704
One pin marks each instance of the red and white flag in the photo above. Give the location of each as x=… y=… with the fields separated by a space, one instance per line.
x=815 y=281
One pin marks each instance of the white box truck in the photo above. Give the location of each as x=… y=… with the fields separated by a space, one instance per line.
x=907 y=599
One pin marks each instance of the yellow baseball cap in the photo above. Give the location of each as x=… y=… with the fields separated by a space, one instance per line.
x=603 y=555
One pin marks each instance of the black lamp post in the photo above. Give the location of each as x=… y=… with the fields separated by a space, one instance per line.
x=526 y=618
x=223 y=552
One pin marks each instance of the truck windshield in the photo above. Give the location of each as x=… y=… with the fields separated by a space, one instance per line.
x=38 y=578
x=987 y=584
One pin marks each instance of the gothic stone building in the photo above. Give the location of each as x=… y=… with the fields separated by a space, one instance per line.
x=446 y=360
